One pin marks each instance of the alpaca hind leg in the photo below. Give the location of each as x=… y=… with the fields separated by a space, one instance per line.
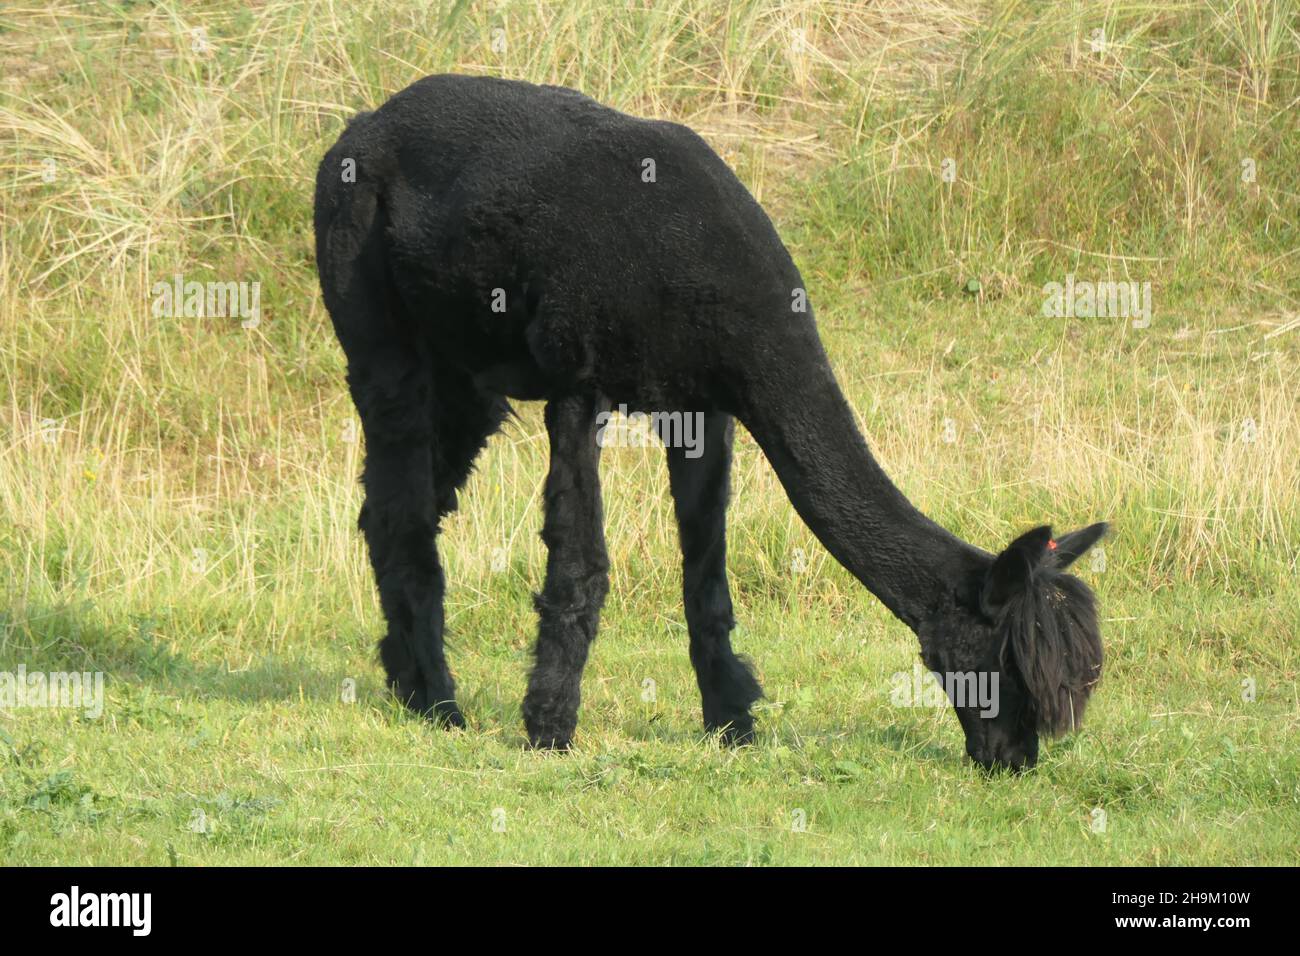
x=464 y=417
x=391 y=380
x=700 y=489
x=392 y=389
x=577 y=572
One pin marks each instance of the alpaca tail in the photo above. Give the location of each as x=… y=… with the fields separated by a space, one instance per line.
x=351 y=226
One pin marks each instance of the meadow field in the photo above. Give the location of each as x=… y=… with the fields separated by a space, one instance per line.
x=178 y=493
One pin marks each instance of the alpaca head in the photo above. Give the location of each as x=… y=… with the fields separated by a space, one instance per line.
x=1018 y=625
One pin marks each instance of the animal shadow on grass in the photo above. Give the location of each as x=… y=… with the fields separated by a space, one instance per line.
x=865 y=734
x=68 y=638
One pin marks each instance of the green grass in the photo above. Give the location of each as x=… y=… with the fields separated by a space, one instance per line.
x=178 y=496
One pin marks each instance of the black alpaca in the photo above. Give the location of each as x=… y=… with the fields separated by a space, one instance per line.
x=480 y=239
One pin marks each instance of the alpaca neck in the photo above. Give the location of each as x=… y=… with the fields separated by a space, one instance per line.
x=807 y=430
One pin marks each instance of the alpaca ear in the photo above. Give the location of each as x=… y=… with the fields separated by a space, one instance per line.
x=1074 y=545
x=1014 y=568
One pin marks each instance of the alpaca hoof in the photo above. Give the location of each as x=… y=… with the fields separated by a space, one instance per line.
x=446 y=715
x=550 y=742
x=550 y=724
x=545 y=735
x=439 y=708
x=734 y=733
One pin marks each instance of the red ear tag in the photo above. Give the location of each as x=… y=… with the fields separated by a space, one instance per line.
x=1051 y=545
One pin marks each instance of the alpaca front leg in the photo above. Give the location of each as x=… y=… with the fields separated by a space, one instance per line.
x=700 y=490
x=577 y=572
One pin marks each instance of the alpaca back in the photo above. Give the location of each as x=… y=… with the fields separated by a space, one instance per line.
x=529 y=223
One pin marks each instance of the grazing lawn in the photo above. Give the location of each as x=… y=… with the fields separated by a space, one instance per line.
x=178 y=494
